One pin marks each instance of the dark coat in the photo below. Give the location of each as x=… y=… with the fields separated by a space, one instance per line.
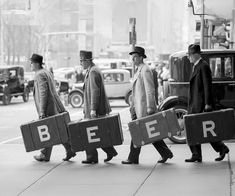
x=200 y=92
x=94 y=93
x=46 y=98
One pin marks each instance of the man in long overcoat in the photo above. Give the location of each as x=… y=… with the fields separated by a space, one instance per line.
x=143 y=104
x=47 y=102
x=96 y=103
x=201 y=99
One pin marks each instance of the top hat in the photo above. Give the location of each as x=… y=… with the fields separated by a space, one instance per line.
x=36 y=58
x=85 y=55
x=194 y=49
x=138 y=50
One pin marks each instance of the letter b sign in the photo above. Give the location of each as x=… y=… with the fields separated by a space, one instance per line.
x=43 y=132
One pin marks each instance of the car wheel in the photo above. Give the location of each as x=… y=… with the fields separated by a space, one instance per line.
x=6 y=99
x=180 y=110
x=76 y=99
x=128 y=98
x=26 y=95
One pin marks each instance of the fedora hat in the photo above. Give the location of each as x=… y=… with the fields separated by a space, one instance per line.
x=139 y=50
x=36 y=58
x=85 y=55
x=194 y=49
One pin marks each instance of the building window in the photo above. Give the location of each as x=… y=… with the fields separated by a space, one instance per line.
x=198 y=26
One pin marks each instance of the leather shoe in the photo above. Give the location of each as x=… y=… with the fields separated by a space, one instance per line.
x=164 y=159
x=41 y=158
x=130 y=162
x=222 y=154
x=110 y=156
x=90 y=161
x=194 y=159
x=69 y=156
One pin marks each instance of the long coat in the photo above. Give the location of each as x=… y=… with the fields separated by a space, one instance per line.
x=94 y=93
x=143 y=91
x=46 y=98
x=200 y=92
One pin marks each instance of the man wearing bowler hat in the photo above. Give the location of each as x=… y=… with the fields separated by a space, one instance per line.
x=96 y=103
x=144 y=104
x=200 y=99
x=47 y=102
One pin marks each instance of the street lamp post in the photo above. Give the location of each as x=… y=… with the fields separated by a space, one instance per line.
x=202 y=25
x=1 y=39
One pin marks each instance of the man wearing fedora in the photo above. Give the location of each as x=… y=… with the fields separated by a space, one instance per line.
x=144 y=104
x=47 y=102
x=200 y=99
x=96 y=103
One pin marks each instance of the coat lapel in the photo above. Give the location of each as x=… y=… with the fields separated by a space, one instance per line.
x=195 y=70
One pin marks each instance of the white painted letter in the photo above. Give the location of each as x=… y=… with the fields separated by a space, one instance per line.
x=43 y=133
x=90 y=134
x=150 y=130
x=208 y=126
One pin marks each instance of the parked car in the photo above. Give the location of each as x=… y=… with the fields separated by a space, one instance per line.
x=117 y=85
x=12 y=84
x=222 y=64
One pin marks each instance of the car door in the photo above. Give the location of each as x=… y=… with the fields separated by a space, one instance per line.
x=222 y=68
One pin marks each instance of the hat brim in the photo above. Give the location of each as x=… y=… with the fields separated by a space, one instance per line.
x=35 y=61
x=138 y=53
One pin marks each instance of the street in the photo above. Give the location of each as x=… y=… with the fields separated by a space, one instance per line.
x=22 y=175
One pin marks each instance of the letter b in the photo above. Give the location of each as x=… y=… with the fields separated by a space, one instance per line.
x=43 y=132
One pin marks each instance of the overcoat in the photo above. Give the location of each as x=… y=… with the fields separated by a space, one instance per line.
x=143 y=91
x=46 y=98
x=200 y=91
x=94 y=93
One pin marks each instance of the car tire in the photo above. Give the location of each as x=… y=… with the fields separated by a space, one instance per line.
x=76 y=99
x=180 y=110
x=26 y=94
x=6 y=98
x=128 y=98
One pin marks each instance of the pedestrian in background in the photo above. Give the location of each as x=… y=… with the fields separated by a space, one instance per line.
x=201 y=99
x=144 y=104
x=47 y=102
x=96 y=103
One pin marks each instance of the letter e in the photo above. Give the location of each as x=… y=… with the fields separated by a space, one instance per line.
x=150 y=130
x=90 y=134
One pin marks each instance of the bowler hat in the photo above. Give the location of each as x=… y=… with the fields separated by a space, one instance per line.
x=194 y=49
x=85 y=55
x=36 y=58
x=138 y=50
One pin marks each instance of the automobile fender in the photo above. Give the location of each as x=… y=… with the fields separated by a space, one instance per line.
x=172 y=101
x=76 y=90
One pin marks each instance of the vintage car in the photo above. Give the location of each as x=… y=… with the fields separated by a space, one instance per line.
x=12 y=84
x=222 y=64
x=117 y=85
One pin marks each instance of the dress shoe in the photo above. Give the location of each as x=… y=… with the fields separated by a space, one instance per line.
x=222 y=154
x=194 y=159
x=90 y=161
x=110 y=156
x=130 y=162
x=164 y=159
x=69 y=156
x=41 y=158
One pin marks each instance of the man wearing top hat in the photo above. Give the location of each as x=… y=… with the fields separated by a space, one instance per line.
x=144 y=104
x=47 y=102
x=200 y=99
x=96 y=103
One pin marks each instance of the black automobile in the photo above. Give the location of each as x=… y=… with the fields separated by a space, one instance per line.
x=222 y=64
x=12 y=84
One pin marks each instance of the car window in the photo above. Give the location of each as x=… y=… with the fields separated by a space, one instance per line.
x=113 y=77
x=221 y=67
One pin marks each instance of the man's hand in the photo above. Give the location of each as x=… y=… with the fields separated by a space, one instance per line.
x=42 y=115
x=208 y=108
x=93 y=114
x=150 y=111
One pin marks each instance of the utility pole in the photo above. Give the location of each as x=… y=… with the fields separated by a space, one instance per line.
x=202 y=25
x=1 y=39
x=233 y=26
x=132 y=37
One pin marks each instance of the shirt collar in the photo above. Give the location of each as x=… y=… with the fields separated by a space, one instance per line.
x=197 y=61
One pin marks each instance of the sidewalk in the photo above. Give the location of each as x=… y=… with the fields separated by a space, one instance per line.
x=21 y=175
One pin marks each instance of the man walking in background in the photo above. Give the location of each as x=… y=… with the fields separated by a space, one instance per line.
x=96 y=103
